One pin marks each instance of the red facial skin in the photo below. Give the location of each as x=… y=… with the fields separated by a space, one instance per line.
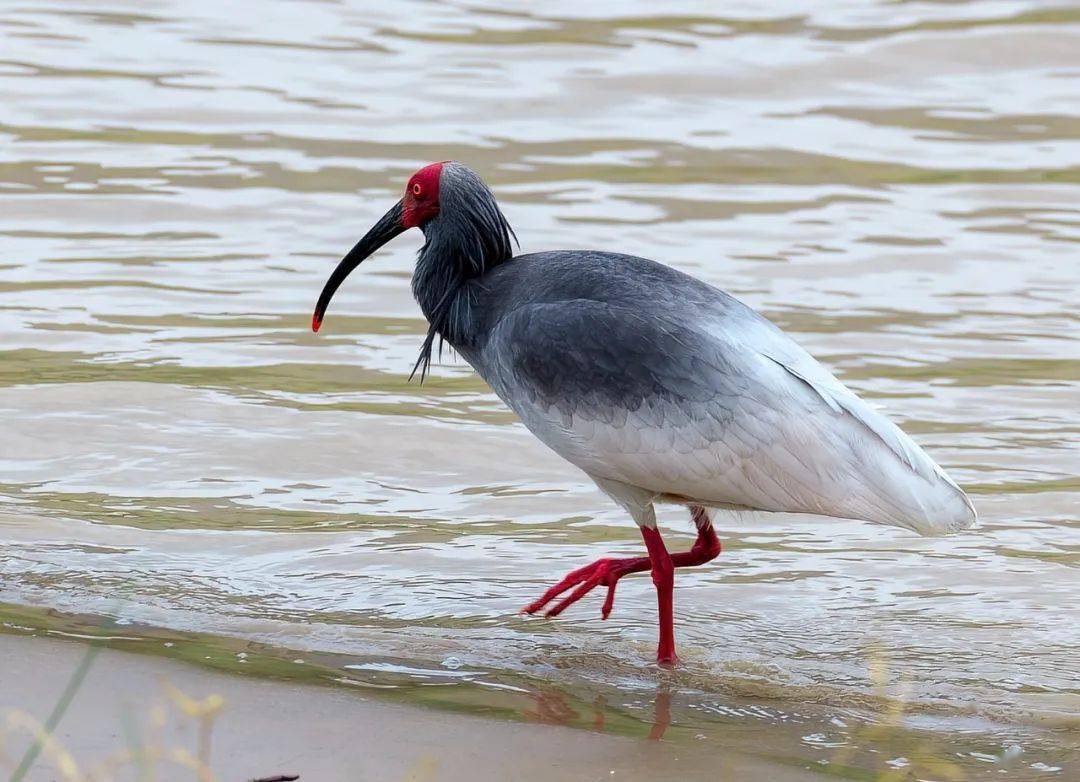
x=422 y=196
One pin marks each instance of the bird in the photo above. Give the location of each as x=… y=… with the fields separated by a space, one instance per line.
x=661 y=388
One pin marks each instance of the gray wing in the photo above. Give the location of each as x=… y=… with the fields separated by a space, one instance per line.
x=712 y=404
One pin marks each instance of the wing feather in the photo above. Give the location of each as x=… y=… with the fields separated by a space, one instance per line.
x=720 y=407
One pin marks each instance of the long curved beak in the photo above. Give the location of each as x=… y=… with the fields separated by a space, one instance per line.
x=387 y=228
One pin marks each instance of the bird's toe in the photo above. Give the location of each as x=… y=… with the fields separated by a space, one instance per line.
x=584 y=580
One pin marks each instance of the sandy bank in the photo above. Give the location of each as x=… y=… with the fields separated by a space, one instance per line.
x=321 y=733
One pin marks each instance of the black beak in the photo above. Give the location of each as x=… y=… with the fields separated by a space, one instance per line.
x=382 y=232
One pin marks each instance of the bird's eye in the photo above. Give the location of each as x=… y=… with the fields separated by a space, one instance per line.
x=416 y=189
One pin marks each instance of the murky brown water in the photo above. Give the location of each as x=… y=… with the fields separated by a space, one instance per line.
x=895 y=183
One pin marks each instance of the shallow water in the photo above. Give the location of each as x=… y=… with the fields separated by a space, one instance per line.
x=896 y=184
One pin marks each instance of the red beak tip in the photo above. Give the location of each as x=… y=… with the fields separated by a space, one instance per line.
x=316 y=322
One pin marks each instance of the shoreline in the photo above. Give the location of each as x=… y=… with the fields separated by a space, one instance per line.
x=253 y=728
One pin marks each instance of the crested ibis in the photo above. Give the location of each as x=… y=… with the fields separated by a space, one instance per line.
x=660 y=387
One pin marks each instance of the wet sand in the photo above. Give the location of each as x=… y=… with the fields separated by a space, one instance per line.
x=267 y=728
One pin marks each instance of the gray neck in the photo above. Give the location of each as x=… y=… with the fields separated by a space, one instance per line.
x=468 y=238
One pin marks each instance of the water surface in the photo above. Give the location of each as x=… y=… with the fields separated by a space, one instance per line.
x=896 y=184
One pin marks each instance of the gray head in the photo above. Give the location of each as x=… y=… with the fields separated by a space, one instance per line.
x=467 y=229
x=465 y=235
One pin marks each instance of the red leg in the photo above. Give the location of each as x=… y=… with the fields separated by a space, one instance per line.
x=707 y=546
x=609 y=571
x=663 y=576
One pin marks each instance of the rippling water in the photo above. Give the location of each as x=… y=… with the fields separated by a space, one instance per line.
x=894 y=183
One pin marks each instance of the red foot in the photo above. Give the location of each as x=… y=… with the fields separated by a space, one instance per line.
x=609 y=571
x=603 y=571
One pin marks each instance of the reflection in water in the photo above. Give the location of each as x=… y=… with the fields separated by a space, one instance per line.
x=661 y=714
x=894 y=184
x=553 y=707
